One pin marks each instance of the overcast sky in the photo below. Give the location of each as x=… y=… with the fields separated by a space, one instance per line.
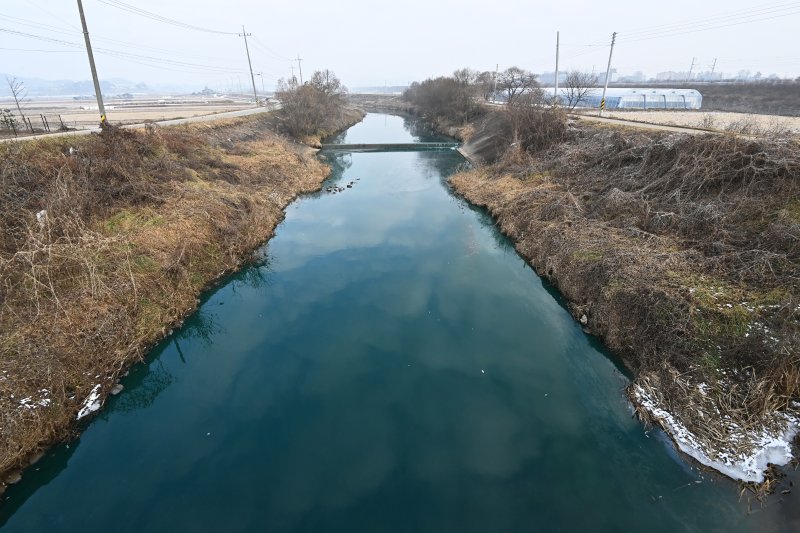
x=373 y=42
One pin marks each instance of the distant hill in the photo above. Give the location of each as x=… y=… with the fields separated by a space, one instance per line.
x=42 y=87
x=382 y=89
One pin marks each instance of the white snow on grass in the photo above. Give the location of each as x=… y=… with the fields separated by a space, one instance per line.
x=30 y=403
x=764 y=449
x=91 y=404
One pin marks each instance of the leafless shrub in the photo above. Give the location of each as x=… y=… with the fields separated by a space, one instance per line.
x=746 y=125
x=534 y=126
x=777 y=130
x=445 y=98
x=708 y=122
x=312 y=107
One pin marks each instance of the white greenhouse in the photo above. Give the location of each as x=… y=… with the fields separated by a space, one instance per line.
x=635 y=98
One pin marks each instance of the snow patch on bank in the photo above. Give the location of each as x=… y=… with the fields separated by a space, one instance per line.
x=91 y=404
x=762 y=449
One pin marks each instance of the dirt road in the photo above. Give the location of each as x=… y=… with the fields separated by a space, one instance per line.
x=172 y=122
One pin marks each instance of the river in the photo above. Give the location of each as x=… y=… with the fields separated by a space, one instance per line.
x=390 y=364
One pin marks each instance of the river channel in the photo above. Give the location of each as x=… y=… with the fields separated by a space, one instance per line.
x=390 y=364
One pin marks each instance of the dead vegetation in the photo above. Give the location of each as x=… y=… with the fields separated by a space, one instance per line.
x=107 y=241
x=682 y=252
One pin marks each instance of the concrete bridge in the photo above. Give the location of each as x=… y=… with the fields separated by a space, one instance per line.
x=391 y=147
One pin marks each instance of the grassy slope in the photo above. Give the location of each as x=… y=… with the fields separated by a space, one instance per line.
x=137 y=225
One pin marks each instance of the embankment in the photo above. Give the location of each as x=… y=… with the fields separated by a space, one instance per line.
x=381 y=103
x=683 y=254
x=108 y=241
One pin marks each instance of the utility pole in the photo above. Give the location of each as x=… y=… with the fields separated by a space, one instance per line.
x=100 y=106
x=608 y=73
x=494 y=91
x=555 y=92
x=247 y=49
x=713 y=67
x=261 y=75
x=300 y=67
x=689 y=77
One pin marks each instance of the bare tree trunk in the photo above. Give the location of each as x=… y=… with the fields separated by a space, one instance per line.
x=18 y=92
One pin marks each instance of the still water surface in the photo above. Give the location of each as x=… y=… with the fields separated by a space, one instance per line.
x=391 y=365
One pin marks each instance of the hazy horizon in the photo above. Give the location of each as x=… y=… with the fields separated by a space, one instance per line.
x=372 y=44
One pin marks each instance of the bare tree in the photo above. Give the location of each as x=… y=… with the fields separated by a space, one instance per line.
x=20 y=94
x=578 y=86
x=466 y=76
x=485 y=84
x=328 y=84
x=443 y=98
x=515 y=81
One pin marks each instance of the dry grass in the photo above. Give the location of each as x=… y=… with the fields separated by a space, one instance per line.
x=744 y=123
x=682 y=252
x=136 y=225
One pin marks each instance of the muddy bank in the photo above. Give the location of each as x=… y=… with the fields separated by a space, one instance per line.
x=108 y=241
x=682 y=254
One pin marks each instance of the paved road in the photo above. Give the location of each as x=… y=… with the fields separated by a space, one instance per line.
x=171 y=122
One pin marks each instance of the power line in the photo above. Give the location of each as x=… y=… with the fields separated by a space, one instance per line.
x=137 y=58
x=714 y=27
x=52 y=15
x=39 y=50
x=55 y=29
x=38 y=37
x=714 y=19
x=720 y=20
x=32 y=24
x=154 y=16
x=269 y=50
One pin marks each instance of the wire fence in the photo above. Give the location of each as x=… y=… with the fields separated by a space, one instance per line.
x=15 y=125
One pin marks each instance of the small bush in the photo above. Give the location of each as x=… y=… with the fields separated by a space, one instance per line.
x=313 y=107
x=535 y=126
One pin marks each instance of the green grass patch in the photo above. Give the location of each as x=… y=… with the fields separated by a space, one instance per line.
x=126 y=221
x=149 y=317
x=792 y=209
x=587 y=256
x=145 y=263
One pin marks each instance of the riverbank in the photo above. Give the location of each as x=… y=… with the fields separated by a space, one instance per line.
x=681 y=253
x=108 y=241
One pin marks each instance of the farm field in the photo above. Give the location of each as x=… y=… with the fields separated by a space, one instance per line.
x=715 y=120
x=83 y=114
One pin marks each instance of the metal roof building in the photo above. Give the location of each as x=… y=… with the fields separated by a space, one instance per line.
x=637 y=98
